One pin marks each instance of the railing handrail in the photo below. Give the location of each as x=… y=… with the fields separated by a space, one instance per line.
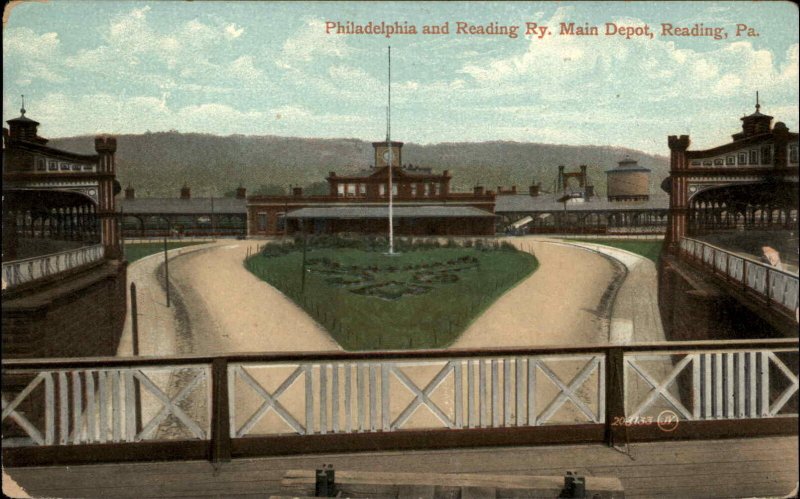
x=335 y=355
x=745 y=258
x=50 y=255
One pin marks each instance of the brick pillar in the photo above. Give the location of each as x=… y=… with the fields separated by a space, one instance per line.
x=106 y=210
x=678 y=201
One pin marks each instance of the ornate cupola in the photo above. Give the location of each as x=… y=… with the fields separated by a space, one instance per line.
x=754 y=124
x=23 y=128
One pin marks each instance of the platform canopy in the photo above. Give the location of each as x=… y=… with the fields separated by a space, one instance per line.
x=359 y=212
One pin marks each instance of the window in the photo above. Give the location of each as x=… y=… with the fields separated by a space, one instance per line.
x=281 y=222
x=340 y=189
x=427 y=191
x=52 y=165
x=40 y=164
x=753 y=157
x=718 y=162
x=262 y=222
x=742 y=158
x=64 y=166
x=766 y=155
x=363 y=190
x=696 y=162
x=394 y=189
x=793 y=153
x=437 y=189
x=413 y=190
x=382 y=190
x=351 y=190
x=708 y=162
x=730 y=160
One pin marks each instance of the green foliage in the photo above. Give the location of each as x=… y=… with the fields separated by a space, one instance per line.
x=647 y=249
x=270 y=190
x=138 y=251
x=317 y=189
x=421 y=298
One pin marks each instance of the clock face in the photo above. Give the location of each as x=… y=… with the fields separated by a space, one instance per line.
x=386 y=156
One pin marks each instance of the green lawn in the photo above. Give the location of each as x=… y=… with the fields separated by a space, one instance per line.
x=418 y=299
x=648 y=249
x=137 y=251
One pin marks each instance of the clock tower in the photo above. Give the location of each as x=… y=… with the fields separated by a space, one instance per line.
x=382 y=153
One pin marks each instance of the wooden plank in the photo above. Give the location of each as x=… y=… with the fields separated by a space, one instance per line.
x=471 y=413
x=323 y=398
x=416 y=492
x=335 y=398
x=478 y=492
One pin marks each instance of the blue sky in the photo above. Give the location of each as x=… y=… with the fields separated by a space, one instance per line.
x=269 y=68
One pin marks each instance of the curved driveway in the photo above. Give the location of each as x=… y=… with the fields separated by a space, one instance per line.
x=220 y=307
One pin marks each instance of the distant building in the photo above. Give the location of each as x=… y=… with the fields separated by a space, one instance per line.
x=575 y=208
x=628 y=182
x=184 y=215
x=422 y=203
x=63 y=271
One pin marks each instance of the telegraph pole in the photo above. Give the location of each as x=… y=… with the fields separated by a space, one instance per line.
x=389 y=146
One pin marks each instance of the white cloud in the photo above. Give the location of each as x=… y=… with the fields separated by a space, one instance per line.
x=233 y=31
x=310 y=42
x=34 y=56
x=244 y=68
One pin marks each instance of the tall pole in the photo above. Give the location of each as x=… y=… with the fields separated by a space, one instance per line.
x=166 y=270
x=389 y=145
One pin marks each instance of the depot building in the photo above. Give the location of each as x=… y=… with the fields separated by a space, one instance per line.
x=421 y=200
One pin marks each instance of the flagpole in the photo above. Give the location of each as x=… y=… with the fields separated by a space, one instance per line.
x=389 y=145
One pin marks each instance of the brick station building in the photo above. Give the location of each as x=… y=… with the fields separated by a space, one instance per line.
x=422 y=204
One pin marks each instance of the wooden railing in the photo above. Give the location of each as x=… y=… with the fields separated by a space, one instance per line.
x=111 y=409
x=771 y=284
x=18 y=272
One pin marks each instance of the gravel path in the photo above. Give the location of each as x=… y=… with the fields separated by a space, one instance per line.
x=560 y=304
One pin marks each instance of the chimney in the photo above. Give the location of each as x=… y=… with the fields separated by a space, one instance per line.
x=297 y=191
x=241 y=193
x=186 y=193
x=331 y=174
x=130 y=193
x=478 y=190
x=513 y=189
x=533 y=190
x=446 y=173
x=499 y=189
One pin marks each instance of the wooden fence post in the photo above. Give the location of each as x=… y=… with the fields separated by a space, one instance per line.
x=220 y=414
x=616 y=431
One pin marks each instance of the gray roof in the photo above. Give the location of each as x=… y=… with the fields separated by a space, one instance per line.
x=356 y=212
x=548 y=202
x=179 y=206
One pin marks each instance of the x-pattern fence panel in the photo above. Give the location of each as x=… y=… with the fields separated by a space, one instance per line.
x=345 y=397
x=714 y=385
x=232 y=401
x=105 y=405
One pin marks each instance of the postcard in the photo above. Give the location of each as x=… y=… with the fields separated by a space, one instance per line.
x=452 y=249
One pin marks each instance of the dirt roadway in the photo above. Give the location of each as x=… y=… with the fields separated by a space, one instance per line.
x=560 y=304
x=220 y=307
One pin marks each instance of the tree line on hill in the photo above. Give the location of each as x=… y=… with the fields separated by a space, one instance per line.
x=159 y=164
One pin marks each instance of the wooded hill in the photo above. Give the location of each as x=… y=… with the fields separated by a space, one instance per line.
x=158 y=164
